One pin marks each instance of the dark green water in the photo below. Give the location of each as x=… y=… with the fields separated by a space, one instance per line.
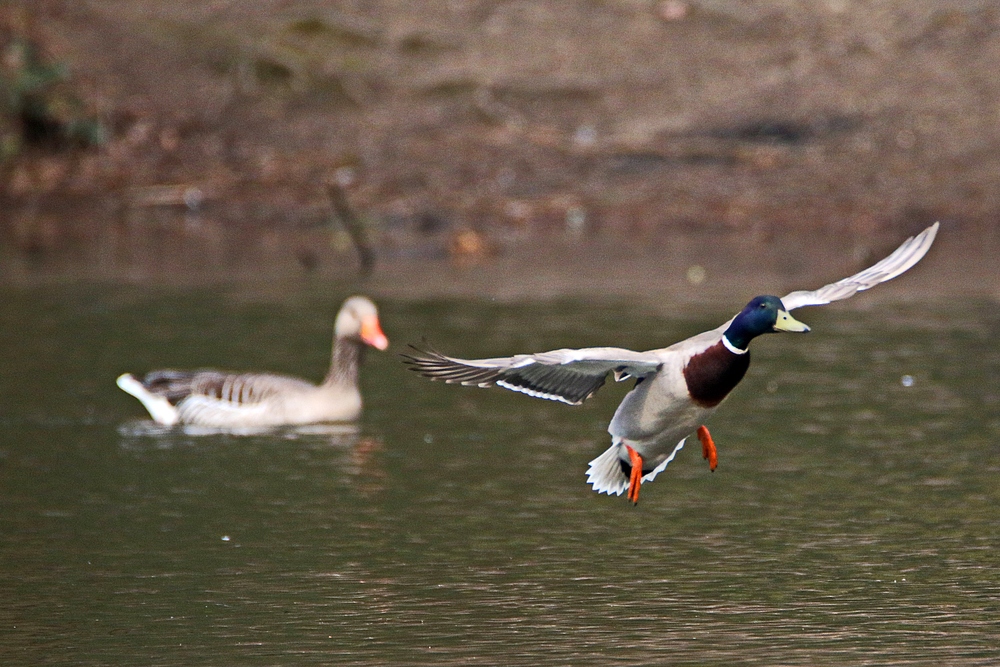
x=852 y=521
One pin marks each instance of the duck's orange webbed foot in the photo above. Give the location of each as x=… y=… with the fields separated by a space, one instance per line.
x=635 y=479
x=708 y=450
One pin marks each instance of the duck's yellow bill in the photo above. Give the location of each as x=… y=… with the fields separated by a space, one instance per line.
x=788 y=323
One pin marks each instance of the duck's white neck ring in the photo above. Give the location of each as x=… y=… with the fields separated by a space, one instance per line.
x=732 y=348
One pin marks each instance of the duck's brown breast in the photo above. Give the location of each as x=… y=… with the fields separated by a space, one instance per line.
x=710 y=375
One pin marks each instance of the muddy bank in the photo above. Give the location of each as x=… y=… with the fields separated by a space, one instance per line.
x=475 y=132
x=711 y=267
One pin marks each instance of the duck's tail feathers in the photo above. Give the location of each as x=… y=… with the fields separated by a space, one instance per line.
x=159 y=408
x=606 y=474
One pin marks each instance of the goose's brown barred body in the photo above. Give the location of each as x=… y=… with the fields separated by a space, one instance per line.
x=223 y=399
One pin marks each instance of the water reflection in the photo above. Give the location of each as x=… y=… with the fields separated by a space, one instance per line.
x=358 y=456
x=851 y=520
x=338 y=433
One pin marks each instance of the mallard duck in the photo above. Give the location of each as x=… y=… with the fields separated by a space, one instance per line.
x=676 y=388
x=221 y=399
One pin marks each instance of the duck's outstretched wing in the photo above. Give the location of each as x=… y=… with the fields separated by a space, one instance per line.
x=570 y=376
x=904 y=258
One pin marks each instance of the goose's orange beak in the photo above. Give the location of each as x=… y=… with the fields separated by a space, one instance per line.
x=371 y=333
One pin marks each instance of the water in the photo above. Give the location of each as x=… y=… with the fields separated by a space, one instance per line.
x=852 y=519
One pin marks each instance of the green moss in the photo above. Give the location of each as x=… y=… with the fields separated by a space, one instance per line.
x=269 y=71
x=38 y=105
x=340 y=33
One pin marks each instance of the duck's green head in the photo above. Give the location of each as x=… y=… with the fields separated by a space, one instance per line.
x=764 y=314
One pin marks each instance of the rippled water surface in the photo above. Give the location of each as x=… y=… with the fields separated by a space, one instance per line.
x=852 y=520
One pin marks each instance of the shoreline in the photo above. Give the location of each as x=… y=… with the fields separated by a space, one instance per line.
x=691 y=267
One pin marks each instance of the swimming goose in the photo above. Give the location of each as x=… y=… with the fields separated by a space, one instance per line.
x=221 y=399
x=676 y=388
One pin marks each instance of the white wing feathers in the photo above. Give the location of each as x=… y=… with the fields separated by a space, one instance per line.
x=905 y=257
x=570 y=376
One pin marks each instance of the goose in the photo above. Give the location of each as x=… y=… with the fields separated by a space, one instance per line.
x=676 y=388
x=228 y=400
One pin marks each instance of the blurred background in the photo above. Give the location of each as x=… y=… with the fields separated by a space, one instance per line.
x=201 y=183
x=192 y=139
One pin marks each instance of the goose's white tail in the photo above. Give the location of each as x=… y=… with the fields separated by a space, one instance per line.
x=159 y=408
x=605 y=473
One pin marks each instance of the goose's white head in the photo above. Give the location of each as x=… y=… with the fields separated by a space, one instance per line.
x=358 y=319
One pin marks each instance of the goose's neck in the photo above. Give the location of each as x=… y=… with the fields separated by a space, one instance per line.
x=344 y=364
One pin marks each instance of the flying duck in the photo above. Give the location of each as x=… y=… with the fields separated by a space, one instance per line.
x=676 y=388
x=226 y=400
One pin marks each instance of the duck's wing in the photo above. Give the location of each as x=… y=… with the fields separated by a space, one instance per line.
x=904 y=258
x=570 y=376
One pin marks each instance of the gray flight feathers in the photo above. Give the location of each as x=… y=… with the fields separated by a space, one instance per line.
x=569 y=376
